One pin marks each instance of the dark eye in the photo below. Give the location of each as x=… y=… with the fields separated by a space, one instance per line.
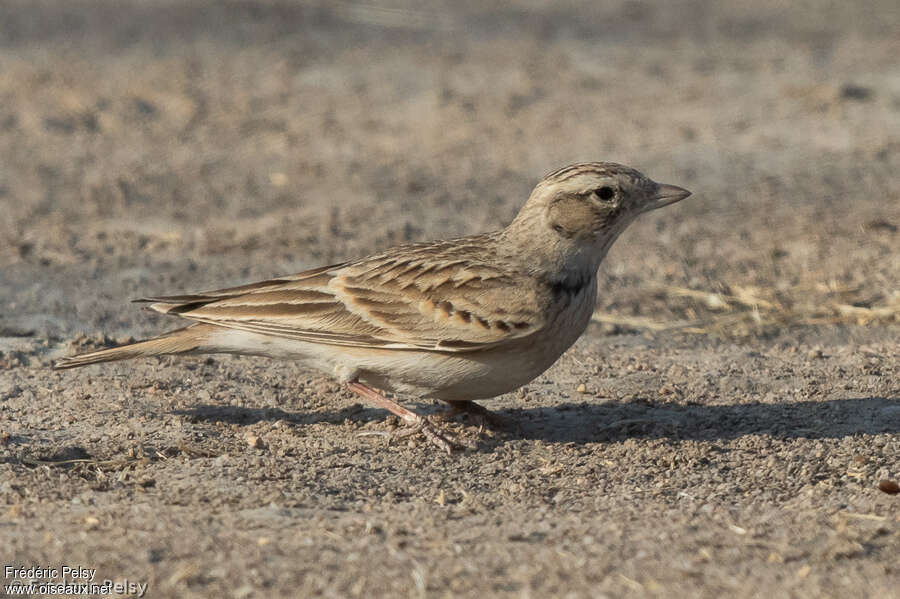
x=606 y=193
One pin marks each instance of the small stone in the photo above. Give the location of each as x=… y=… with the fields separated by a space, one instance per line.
x=852 y=91
x=9 y=391
x=737 y=529
x=609 y=328
x=714 y=301
x=244 y=591
x=581 y=388
x=278 y=179
x=668 y=389
x=814 y=354
x=254 y=441
x=889 y=486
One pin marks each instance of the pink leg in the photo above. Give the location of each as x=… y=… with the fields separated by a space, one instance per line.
x=420 y=423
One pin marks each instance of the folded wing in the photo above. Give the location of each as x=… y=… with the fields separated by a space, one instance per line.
x=441 y=296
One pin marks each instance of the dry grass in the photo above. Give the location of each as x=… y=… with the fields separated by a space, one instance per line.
x=748 y=310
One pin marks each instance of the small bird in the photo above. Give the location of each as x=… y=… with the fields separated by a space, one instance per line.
x=456 y=320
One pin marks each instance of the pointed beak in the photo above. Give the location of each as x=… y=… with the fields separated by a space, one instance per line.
x=667 y=194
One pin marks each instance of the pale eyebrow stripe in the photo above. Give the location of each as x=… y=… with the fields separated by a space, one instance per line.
x=567 y=172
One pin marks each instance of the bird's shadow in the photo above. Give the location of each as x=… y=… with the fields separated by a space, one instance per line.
x=244 y=416
x=613 y=420
x=610 y=421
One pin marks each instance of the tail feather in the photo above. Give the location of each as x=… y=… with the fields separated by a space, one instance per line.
x=183 y=340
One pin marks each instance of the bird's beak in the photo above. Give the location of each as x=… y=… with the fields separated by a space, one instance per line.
x=667 y=194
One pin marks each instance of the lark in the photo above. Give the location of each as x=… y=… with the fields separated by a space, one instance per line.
x=458 y=320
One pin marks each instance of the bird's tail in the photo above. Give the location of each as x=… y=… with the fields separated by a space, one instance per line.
x=188 y=339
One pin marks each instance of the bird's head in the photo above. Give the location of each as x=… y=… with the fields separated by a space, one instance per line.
x=581 y=209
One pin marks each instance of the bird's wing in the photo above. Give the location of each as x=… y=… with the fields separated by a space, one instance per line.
x=442 y=297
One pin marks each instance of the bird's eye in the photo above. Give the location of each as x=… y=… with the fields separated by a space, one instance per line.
x=605 y=193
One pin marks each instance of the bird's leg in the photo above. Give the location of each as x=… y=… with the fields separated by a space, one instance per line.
x=470 y=407
x=420 y=424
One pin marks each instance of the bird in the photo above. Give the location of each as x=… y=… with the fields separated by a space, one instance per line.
x=454 y=320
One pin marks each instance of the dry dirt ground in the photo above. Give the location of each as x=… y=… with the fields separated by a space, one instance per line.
x=721 y=430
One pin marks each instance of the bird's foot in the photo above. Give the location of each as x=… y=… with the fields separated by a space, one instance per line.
x=432 y=433
x=417 y=423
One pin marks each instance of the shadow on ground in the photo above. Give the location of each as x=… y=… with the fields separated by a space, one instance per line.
x=241 y=415
x=614 y=421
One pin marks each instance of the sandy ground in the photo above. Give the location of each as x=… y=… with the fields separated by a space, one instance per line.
x=721 y=430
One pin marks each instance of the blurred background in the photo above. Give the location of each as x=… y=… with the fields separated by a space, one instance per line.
x=721 y=430
x=161 y=146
